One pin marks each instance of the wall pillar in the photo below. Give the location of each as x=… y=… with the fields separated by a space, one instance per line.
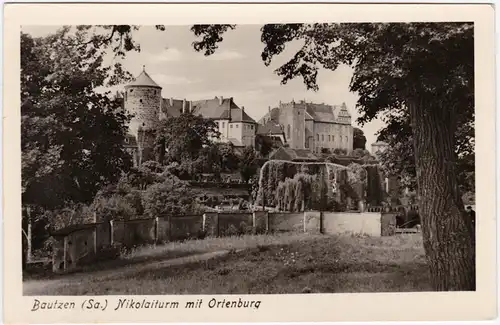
x=260 y=222
x=111 y=233
x=95 y=240
x=312 y=222
x=65 y=253
x=211 y=224
x=157 y=229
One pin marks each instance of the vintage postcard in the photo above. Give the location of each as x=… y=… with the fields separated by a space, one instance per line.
x=249 y=163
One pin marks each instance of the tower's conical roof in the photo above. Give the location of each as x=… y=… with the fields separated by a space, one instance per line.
x=143 y=80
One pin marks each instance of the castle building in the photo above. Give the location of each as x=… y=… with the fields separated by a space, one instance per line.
x=316 y=127
x=144 y=101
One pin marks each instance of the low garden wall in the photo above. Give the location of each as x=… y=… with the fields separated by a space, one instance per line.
x=174 y=228
x=368 y=223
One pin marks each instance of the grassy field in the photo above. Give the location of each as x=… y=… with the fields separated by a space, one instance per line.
x=256 y=265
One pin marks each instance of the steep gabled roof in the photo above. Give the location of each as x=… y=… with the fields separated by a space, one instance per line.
x=239 y=115
x=171 y=107
x=321 y=112
x=272 y=114
x=270 y=127
x=221 y=108
x=214 y=108
x=143 y=80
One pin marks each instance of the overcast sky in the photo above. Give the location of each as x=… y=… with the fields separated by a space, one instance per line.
x=235 y=70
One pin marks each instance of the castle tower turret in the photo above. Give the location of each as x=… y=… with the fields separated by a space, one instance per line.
x=143 y=101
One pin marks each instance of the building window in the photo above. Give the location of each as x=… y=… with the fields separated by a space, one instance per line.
x=288 y=131
x=322 y=137
x=223 y=124
x=237 y=125
x=329 y=138
x=230 y=126
x=131 y=90
x=333 y=138
x=140 y=100
x=317 y=137
x=251 y=127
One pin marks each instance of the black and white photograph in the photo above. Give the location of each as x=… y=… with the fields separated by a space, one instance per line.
x=243 y=160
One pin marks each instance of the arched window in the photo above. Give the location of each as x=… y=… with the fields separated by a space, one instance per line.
x=288 y=131
x=317 y=137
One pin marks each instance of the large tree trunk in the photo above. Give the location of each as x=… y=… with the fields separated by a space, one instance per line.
x=448 y=233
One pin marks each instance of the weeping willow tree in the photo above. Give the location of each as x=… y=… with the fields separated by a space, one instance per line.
x=299 y=186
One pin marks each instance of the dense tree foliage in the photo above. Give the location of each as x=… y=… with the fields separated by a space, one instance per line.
x=358 y=139
x=71 y=135
x=248 y=164
x=171 y=197
x=185 y=136
x=399 y=158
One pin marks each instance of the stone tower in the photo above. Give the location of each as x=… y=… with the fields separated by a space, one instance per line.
x=143 y=101
x=294 y=123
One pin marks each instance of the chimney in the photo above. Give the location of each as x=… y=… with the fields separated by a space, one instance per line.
x=221 y=99
x=184 y=105
x=190 y=106
x=242 y=108
x=171 y=101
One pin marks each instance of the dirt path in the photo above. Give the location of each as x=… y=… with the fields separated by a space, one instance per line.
x=38 y=287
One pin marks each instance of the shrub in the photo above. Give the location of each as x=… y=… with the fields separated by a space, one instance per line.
x=173 y=196
x=232 y=231
x=115 y=207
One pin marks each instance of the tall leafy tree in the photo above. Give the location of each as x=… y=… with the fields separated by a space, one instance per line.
x=183 y=138
x=425 y=70
x=71 y=135
x=229 y=159
x=359 y=139
x=399 y=158
x=248 y=164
